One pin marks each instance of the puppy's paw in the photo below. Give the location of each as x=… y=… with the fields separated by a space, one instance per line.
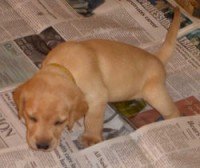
x=89 y=140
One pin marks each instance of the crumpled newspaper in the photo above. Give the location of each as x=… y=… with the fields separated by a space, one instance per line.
x=85 y=7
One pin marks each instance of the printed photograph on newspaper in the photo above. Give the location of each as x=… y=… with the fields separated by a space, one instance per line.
x=162 y=11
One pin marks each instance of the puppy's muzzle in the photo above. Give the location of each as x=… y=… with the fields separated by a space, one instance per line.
x=43 y=145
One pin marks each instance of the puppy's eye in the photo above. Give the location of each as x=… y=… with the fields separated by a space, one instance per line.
x=33 y=119
x=59 y=123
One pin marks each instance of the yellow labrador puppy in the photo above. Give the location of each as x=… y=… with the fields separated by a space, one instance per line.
x=78 y=79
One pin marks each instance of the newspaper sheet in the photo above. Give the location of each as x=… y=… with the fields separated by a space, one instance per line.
x=46 y=23
x=172 y=143
x=117 y=22
x=41 y=14
x=12 y=132
x=24 y=17
x=15 y=67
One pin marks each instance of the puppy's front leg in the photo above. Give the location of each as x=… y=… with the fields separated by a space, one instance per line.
x=94 y=124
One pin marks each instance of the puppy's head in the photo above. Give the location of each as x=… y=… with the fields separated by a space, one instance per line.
x=48 y=103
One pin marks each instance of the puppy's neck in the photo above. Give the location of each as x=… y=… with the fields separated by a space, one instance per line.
x=60 y=69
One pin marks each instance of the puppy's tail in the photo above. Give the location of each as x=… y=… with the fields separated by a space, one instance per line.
x=170 y=40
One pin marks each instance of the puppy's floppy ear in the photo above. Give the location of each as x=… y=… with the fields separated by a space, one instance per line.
x=79 y=109
x=19 y=100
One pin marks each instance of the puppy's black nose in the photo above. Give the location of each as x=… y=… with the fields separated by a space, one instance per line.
x=43 y=145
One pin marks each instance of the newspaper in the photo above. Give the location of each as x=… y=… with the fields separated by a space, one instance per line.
x=173 y=143
x=31 y=28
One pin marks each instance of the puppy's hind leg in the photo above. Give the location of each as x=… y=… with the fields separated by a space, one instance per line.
x=156 y=95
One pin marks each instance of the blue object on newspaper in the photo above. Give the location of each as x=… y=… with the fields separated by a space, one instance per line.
x=85 y=7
